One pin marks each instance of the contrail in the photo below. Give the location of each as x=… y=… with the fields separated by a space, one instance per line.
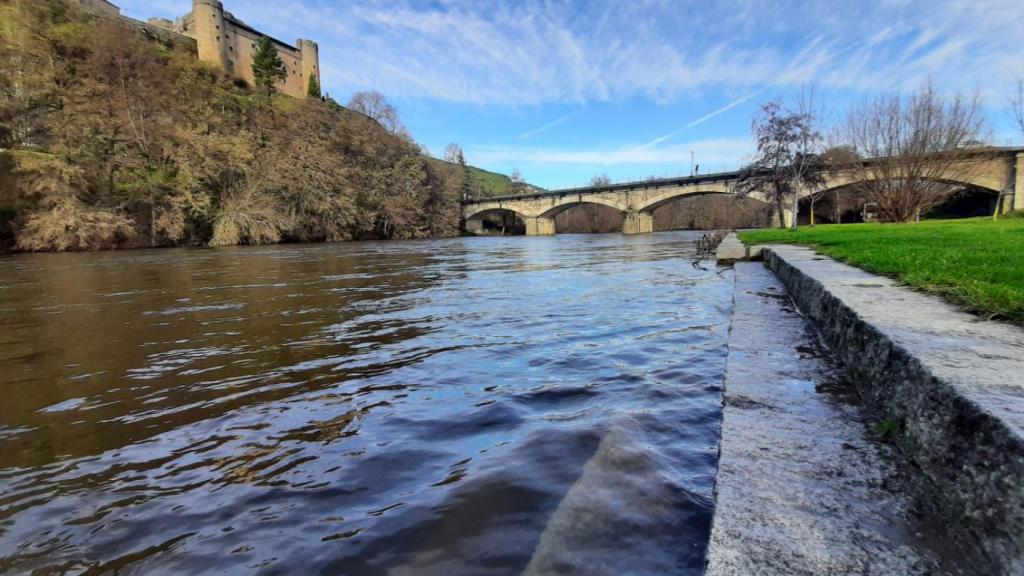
x=704 y=118
x=547 y=126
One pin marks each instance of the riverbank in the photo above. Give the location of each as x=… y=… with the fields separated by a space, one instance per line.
x=943 y=387
x=802 y=488
x=974 y=263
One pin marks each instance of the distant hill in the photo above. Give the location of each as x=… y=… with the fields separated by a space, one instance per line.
x=484 y=183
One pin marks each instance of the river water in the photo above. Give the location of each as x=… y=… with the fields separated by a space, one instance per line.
x=543 y=405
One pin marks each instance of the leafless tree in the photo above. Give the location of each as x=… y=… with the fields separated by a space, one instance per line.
x=600 y=180
x=908 y=148
x=374 y=105
x=787 y=158
x=518 y=182
x=453 y=154
x=1017 y=104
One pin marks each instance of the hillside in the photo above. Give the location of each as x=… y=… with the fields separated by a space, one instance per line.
x=112 y=139
x=484 y=183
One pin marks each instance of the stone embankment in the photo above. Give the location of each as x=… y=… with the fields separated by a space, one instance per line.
x=946 y=387
x=801 y=489
x=732 y=250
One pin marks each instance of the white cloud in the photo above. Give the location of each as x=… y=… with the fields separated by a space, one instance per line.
x=531 y=52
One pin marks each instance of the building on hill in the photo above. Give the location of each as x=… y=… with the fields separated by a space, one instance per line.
x=228 y=43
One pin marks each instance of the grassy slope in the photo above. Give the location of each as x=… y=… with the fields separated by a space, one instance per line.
x=490 y=183
x=975 y=263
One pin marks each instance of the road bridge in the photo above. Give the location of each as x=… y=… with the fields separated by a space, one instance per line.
x=998 y=170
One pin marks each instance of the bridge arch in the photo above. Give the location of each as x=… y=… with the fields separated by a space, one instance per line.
x=847 y=182
x=476 y=212
x=504 y=219
x=573 y=202
x=843 y=201
x=658 y=198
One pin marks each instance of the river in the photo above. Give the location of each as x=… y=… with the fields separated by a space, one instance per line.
x=541 y=405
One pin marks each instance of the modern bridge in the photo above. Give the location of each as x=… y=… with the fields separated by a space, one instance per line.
x=997 y=170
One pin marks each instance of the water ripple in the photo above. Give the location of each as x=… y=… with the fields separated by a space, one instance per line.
x=470 y=406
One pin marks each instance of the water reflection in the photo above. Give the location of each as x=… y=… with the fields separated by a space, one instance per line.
x=477 y=406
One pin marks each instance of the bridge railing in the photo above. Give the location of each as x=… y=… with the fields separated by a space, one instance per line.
x=655 y=178
x=653 y=182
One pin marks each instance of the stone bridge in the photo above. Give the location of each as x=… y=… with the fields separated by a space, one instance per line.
x=999 y=171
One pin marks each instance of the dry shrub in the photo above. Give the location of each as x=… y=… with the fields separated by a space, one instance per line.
x=70 y=225
x=248 y=217
x=58 y=219
x=185 y=155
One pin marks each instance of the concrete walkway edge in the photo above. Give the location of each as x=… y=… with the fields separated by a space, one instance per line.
x=950 y=384
x=732 y=250
x=802 y=489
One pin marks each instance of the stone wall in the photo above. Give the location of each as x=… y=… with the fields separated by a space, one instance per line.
x=227 y=42
x=951 y=386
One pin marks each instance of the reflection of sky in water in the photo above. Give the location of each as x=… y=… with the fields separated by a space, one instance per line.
x=479 y=406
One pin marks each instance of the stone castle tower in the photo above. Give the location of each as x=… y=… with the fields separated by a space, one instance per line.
x=228 y=43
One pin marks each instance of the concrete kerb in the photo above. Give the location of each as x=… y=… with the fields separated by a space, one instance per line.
x=732 y=250
x=950 y=384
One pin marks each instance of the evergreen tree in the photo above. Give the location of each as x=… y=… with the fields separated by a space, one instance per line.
x=313 y=90
x=467 y=183
x=267 y=66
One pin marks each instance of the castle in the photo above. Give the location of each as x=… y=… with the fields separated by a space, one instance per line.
x=228 y=43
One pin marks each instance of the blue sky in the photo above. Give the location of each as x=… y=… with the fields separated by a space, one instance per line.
x=563 y=90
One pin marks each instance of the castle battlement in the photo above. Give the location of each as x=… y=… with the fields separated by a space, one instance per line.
x=229 y=43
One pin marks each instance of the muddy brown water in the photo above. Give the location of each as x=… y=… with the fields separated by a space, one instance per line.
x=468 y=406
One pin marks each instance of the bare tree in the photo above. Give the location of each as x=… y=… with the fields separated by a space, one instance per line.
x=908 y=148
x=1017 y=104
x=518 y=182
x=600 y=180
x=452 y=153
x=786 y=160
x=374 y=105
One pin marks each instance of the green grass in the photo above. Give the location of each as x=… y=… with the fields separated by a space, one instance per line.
x=491 y=183
x=975 y=263
x=487 y=183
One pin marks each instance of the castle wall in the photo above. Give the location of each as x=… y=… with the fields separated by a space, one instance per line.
x=310 y=62
x=229 y=44
x=241 y=46
x=207 y=27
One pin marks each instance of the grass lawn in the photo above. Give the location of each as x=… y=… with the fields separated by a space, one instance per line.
x=975 y=263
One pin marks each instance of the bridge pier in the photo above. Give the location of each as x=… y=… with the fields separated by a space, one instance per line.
x=1018 y=185
x=475 y=226
x=638 y=223
x=539 y=226
x=787 y=218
